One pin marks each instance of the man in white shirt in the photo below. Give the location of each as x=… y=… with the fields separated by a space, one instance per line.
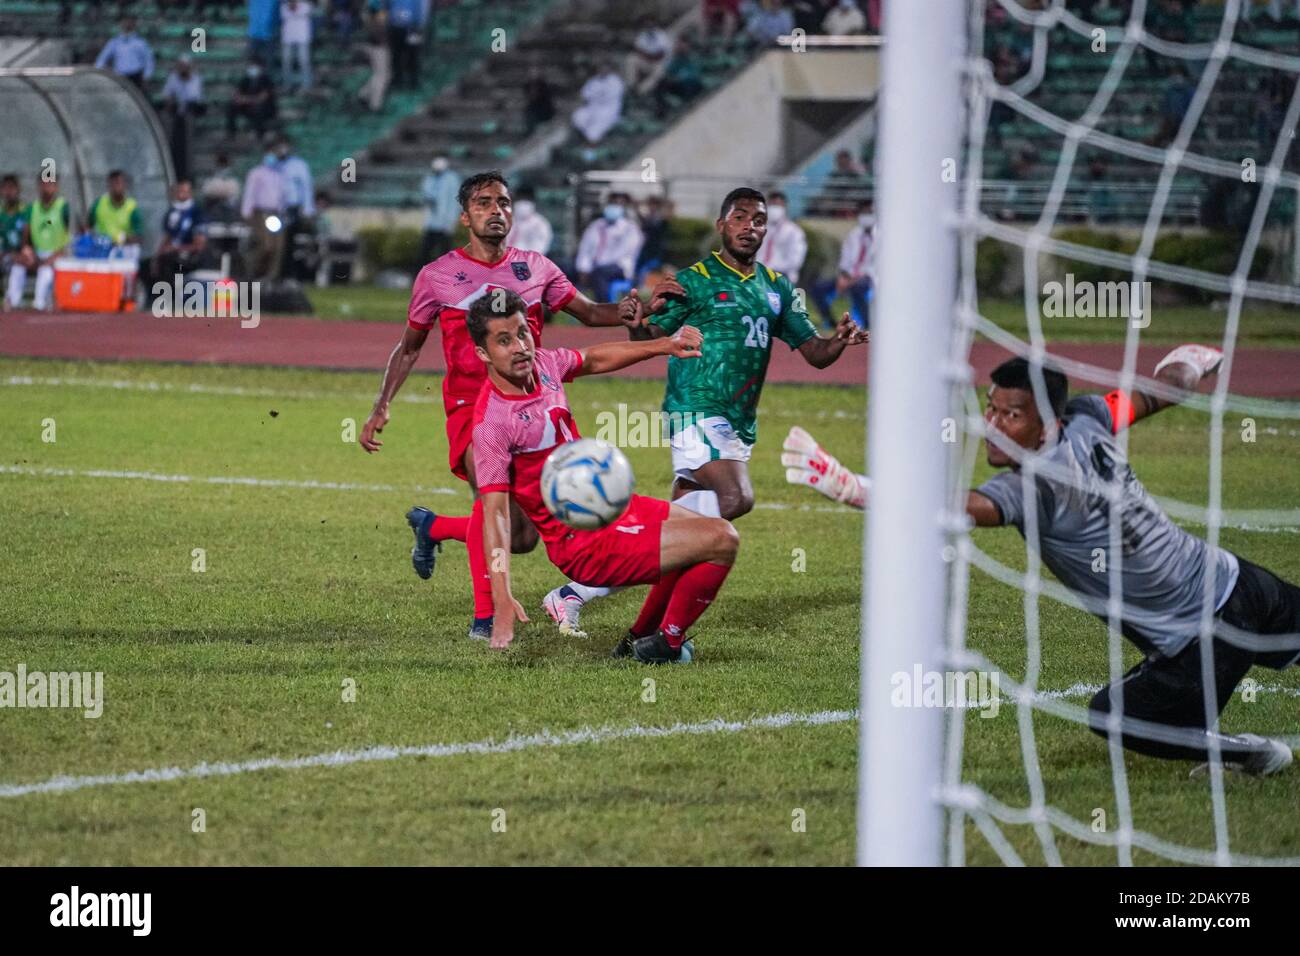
x=531 y=232
x=785 y=246
x=609 y=247
x=182 y=99
x=295 y=42
x=649 y=57
x=128 y=55
x=844 y=19
x=439 y=189
x=299 y=201
x=602 y=104
x=857 y=268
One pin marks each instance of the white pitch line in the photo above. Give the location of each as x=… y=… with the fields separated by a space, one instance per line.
x=342 y=758
x=215 y=480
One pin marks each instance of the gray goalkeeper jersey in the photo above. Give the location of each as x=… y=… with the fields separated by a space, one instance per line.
x=1163 y=567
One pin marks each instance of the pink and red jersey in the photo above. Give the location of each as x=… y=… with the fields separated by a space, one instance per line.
x=446 y=288
x=514 y=435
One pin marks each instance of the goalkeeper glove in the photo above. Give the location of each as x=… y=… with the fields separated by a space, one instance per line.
x=1206 y=359
x=807 y=464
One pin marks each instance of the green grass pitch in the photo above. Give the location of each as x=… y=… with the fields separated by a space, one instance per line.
x=308 y=588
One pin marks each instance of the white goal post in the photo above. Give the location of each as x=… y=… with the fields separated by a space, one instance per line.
x=900 y=817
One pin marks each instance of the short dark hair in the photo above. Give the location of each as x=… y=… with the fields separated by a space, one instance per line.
x=773 y=196
x=1015 y=373
x=473 y=184
x=740 y=192
x=497 y=304
x=116 y=174
x=526 y=192
x=8 y=178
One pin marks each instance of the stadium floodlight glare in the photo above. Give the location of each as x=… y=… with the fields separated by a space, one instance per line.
x=900 y=821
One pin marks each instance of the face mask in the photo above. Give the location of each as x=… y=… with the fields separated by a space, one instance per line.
x=254 y=72
x=524 y=208
x=775 y=213
x=866 y=220
x=270 y=159
x=439 y=165
x=184 y=204
x=613 y=212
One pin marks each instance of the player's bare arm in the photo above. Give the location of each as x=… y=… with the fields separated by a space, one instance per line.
x=822 y=351
x=612 y=356
x=637 y=313
x=599 y=314
x=399 y=367
x=496 y=545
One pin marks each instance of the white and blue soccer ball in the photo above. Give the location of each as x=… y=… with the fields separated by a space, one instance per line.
x=587 y=483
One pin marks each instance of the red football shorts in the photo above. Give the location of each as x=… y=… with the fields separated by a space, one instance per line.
x=623 y=553
x=460 y=435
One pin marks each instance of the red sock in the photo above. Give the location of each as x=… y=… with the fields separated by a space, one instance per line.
x=478 y=567
x=446 y=528
x=695 y=591
x=652 y=611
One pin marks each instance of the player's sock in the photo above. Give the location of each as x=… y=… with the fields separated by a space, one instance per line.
x=656 y=602
x=478 y=568
x=446 y=527
x=695 y=591
x=703 y=501
x=585 y=593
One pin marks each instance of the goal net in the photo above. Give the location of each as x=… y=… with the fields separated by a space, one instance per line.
x=953 y=103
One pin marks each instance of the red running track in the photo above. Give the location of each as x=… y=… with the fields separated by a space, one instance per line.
x=308 y=342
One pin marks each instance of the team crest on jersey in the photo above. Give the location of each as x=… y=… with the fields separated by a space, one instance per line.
x=521 y=270
x=774 y=300
x=550 y=383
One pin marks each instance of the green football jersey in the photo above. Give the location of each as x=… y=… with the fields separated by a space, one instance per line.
x=739 y=317
x=11 y=228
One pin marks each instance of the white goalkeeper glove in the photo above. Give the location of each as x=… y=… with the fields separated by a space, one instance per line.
x=1206 y=359
x=807 y=464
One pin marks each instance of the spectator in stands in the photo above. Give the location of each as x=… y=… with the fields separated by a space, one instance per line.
x=845 y=183
x=441 y=208
x=602 y=106
x=253 y=99
x=808 y=14
x=531 y=230
x=768 y=21
x=295 y=43
x=182 y=241
x=381 y=62
x=857 y=268
x=220 y=192
x=1100 y=198
x=263 y=19
x=1274 y=10
x=299 y=201
x=721 y=18
x=182 y=101
x=539 y=102
x=263 y=209
x=656 y=212
x=405 y=37
x=344 y=16
x=682 y=78
x=1173 y=106
x=649 y=57
x=128 y=55
x=844 y=19
x=785 y=247
x=609 y=248
x=46 y=235
x=13 y=224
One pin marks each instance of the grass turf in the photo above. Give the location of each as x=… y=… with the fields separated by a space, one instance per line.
x=307 y=588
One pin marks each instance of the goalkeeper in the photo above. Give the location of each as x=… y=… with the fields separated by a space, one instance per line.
x=1076 y=462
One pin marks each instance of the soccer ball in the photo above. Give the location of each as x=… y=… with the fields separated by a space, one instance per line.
x=587 y=483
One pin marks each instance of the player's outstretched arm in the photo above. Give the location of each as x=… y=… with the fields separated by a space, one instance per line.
x=399 y=366
x=496 y=547
x=612 y=356
x=1182 y=370
x=807 y=463
x=820 y=352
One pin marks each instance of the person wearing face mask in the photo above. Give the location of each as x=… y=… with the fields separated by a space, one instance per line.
x=844 y=19
x=786 y=245
x=531 y=230
x=609 y=247
x=441 y=208
x=263 y=210
x=182 y=242
x=857 y=268
x=299 y=205
x=182 y=100
x=128 y=55
x=253 y=99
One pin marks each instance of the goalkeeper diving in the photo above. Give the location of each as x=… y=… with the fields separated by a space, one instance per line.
x=1163 y=569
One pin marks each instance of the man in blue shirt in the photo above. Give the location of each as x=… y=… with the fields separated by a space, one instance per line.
x=183 y=239
x=406 y=20
x=263 y=21
x=128 y=55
